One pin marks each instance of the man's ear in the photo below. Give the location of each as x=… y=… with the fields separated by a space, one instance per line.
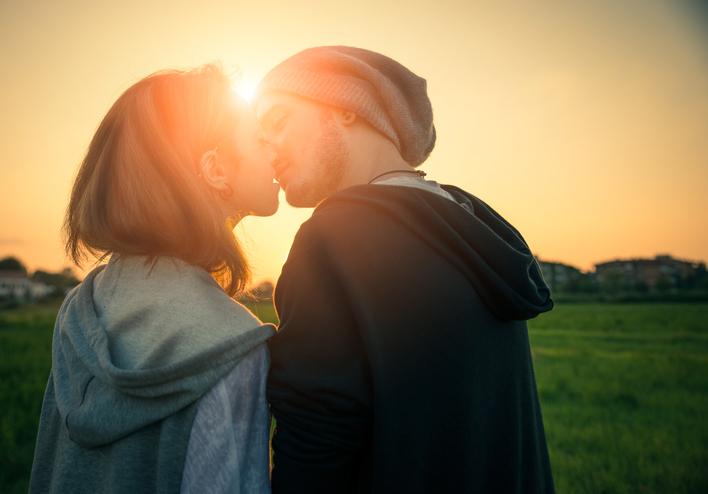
x=346 y=117
x=211 y=170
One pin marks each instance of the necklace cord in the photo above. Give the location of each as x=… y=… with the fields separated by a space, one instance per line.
x=420 y=173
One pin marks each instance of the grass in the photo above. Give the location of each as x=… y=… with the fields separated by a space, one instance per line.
x=25 y=357
x=624 y=391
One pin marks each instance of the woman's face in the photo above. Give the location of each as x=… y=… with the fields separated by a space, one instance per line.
x=251 y=176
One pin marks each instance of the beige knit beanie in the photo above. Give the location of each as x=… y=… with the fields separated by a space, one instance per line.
x=378 y=89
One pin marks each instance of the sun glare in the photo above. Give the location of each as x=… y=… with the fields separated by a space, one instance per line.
x=246 y=89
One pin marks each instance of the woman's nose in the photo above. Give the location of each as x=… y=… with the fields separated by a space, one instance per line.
x=269 y=152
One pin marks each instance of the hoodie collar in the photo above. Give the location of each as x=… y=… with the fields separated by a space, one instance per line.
x=133 y=345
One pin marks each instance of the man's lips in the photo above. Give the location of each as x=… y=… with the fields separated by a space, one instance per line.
x=280 y=168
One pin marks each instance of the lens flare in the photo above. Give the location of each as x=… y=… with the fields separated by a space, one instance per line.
x=246 y=89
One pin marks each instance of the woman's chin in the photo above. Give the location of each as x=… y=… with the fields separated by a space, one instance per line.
x=267 y=210
x=265 y=204
x=271 y=211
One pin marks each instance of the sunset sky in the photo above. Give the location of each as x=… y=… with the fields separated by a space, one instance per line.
x=584 y=123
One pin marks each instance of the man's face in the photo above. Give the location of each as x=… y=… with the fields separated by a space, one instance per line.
x=310 y=152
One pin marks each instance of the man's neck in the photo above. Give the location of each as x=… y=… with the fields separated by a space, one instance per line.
x=366 y=167
x=415 y=175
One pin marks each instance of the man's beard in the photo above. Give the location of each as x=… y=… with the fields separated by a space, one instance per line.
x=326 y=176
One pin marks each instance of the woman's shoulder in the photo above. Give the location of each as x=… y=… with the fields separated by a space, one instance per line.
x=228 y=445
x=246 y=379
x=249 y=374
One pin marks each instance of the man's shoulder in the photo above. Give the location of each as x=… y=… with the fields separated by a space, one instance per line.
x=380 y=215
x=383 y=200
x=345 y=204
x=359 y=213
x=356 y=200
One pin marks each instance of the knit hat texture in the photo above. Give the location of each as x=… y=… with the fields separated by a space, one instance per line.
x=378 y=89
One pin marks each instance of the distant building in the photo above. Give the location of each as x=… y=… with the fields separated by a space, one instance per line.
x=663 y=271
x=562 y=277
x=16 y=285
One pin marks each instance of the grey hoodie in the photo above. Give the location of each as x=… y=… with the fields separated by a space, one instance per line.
x=135 y=347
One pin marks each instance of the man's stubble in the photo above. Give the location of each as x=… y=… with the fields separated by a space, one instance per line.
x=325 y=178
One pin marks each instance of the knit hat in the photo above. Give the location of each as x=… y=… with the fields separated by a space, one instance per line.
x=378 y=89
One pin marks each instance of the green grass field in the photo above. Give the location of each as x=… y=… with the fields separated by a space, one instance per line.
x=624 y=390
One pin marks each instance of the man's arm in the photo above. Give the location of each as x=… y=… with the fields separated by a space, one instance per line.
x=318 y=387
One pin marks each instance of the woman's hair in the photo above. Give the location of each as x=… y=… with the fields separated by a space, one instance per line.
x=138 y=190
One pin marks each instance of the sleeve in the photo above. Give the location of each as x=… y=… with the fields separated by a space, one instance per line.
x=318 y=387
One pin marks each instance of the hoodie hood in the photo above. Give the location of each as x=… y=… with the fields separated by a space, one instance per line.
x=477 y=240
x=136 y=342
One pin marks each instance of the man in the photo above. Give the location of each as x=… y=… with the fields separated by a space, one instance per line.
x=402 y=362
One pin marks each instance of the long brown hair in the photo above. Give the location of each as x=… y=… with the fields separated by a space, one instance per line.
x=138 y=192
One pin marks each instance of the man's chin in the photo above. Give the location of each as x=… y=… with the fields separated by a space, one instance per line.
x=299 y=202
x=299 y=198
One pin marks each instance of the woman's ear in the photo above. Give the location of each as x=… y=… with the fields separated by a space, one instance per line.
x=211 y=170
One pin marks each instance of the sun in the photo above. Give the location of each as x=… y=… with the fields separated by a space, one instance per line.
x=246 y=88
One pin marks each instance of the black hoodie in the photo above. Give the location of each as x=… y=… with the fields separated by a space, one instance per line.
x=402 y=362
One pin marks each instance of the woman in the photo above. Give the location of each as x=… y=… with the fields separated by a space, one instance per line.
x=158 y=376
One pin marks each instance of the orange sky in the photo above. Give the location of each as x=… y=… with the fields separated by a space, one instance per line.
x=584 y=123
